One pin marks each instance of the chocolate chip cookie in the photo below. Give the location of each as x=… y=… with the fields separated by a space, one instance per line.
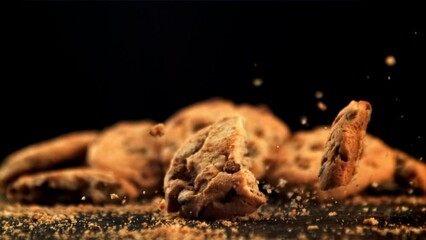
x=129 y=150
x=265 y=130
x=72 y=185
x=68 y=149
x=209 y=175
x=344 y=146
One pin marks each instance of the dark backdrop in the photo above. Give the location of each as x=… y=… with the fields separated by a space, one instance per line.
x=81 y=65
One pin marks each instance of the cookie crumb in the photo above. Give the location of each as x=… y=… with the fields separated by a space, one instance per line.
x=83 y=198
x=257 y=82
x=390 y=60
x=322 y=106
x=313 y=227
x=158 y=130
x=304 y=120
x=370 y=221
x=113 y=196
x=319 y=94
x=332 y=214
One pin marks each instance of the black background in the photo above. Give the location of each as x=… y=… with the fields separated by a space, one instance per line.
x=85 y=65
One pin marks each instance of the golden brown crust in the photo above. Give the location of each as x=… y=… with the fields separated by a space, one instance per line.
x=265 y=130
x=299 y=159
x=209 y=175
x=71 y=185
x=129 y=150
x=376 y=166
x=344 y=146
x=45 y=155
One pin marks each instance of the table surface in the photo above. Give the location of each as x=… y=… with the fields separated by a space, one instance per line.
x=296 y=219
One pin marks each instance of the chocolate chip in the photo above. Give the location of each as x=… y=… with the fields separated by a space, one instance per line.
x=231 y=167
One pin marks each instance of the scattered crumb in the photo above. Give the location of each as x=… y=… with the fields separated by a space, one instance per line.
x=313 y=227
x=390 y=60
x=257 y=82
x=332 y=214
x=304 y=120
x=83 y=198
x=158 y=130
x=322 y=106
x=370 y=221
x=113 y=196
x=319 y=94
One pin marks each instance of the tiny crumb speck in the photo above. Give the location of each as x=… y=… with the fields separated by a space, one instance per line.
x=390 y=60
x=371 y=221
x=113 y=196
x=257 y=82
x=313 y=227
x=322 y=106
x=304 y=120
x=332 y=214
x=368 y=77
x=83 y=198
x=389 y=78
x=319 y=94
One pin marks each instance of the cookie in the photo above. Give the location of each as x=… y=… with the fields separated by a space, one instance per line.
x=129 y=150
x=72 y=185
x=68 y=149
x=376 y=166
x=209 y=175
x=299 y=159
x=265 y=130
x=344 y=145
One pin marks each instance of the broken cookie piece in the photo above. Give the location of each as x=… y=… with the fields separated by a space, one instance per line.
x=129 y=150
x=69 y=186
x=344 y=145
x=63 y=151
x=209 y=175
x=265 y=131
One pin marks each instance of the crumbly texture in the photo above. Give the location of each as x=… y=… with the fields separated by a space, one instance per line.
x=376 y=166
x=68 y=149
x=209 y=176
x=344 y=146
x=70 y=186
x=410 y=172
x=129 y=150
x=265 y=131
x=299 y=161
x=150 y=220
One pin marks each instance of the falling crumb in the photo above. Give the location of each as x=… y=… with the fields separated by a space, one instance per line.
x=281 y=183
x=370 y=221
x=322 y=106
x=143 y=192
x=374 y=185
x=83 y=198
x=389 y=77
x=313 y=227
x=157 y=130
x=304 y=120
x=257 y=82
x=332 y=214
x=319 y=94
x=113 y=196
x=404 y=208
x=368 y=77
x=390 y=60
x=365 y=209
